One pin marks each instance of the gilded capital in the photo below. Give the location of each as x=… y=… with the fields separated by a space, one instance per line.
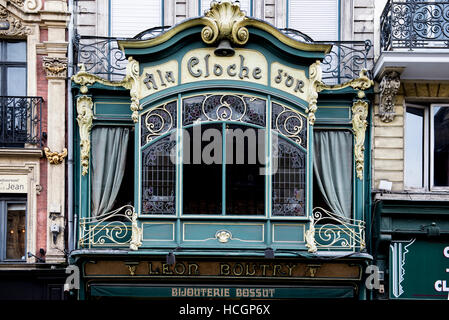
x=389 y=87
x=55 y=67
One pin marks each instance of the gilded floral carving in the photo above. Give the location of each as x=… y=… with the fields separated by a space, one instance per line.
x=84 y=106
x=359 y=124
x=55 y=157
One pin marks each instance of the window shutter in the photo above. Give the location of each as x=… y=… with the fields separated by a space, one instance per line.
x=130 y=18
x=244 y=6
x=316 y=18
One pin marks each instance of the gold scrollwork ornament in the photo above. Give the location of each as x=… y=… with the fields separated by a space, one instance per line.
x=84 y=107
x=359 y=124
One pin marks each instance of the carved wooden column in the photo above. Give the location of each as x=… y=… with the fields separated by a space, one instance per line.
x=388 y=87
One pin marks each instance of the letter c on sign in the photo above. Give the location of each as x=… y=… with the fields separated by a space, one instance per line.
x=446 y=252
x=438 y=286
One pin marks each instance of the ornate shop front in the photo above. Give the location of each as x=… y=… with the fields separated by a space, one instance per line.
x=221 y=166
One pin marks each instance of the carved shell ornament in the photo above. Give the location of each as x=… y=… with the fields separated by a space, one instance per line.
x=225 y=20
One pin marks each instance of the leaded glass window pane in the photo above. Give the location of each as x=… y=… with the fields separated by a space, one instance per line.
x=289 y=179
x=158 y=121
x=289 y=123
x=159 y=177
x=224 y=107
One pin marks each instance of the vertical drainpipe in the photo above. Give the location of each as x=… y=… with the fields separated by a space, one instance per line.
x=70 y=129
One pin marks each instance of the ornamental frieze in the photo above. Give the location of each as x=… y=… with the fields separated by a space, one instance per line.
x=55 y=67
x=12 y=25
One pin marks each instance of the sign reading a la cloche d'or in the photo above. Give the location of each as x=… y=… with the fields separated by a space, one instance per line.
x=419 y=269
x=245 y=65
x=13 y=184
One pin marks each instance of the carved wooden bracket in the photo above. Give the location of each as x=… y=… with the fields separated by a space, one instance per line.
x=388 y=87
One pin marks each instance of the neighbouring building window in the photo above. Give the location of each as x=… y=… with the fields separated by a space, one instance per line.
x=245 y=5
x=130 y=18
x=414 y=147
x=12 y=229
x=426 y=152
x=16 y=109
x=440 y=145
x=316 y=18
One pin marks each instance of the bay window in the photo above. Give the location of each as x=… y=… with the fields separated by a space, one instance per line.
x=226 y=151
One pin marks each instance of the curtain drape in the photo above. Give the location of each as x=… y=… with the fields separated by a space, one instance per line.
x=109 y=146
x=333 y=169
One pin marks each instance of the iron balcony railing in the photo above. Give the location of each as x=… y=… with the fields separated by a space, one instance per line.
x=415 y=24
x=103 y=57
x=20 y=121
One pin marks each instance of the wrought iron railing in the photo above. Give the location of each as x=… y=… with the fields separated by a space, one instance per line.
x=20 y=121
x=103 y=57
x=346 y=60
x=415 y=24
x=333 y=232
x=117 y=228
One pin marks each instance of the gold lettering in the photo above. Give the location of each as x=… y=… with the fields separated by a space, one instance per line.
x=276 y=268
x=224 y=269
x=290 y=269
x=247 y=270
x=166 y=269
x=151 y=271
x=193 y=268
x=234 y=269
x=176 y=268
x=264 y=266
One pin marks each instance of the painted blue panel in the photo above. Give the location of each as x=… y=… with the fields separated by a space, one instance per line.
x=112 y=110
x=158 y=231
x=288 y=233
x=333 y=113
x=240 y=232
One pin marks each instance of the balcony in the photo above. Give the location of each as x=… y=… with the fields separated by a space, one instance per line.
x=101 y=56
x=414 y=39
x=20 y=122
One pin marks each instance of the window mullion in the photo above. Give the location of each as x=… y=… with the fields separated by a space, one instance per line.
x=223 y=170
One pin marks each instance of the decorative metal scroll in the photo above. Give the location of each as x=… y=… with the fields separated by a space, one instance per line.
x=100 y=56
x=333 y=232
x=289 y=123
x=415 y=24
x=117 y=228
x=289 y=179
x=346 y=60
x=159 y=177
x=158 y=121
x=224 y=107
